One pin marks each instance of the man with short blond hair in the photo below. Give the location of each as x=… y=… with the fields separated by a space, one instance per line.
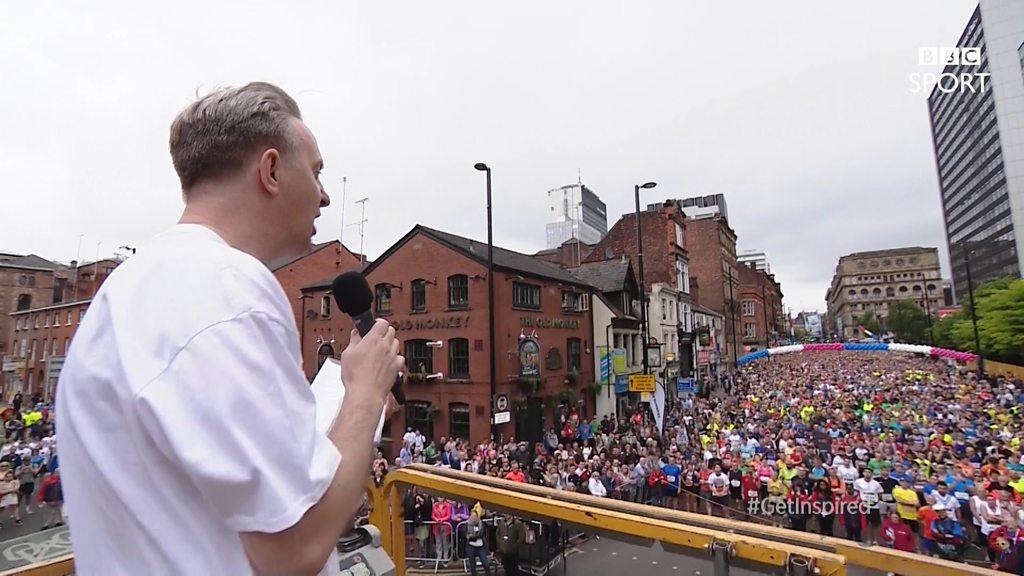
x=218 y=468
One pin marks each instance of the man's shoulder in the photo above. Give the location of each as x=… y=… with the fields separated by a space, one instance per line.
x=192 y=279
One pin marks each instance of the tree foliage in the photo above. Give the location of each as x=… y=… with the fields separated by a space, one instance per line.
x=1000 y=307
x=908 y=322
x=870 y=323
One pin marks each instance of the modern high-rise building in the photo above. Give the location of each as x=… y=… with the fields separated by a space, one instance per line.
x=978 y=137
x=709 y=205
x=756 y=257
x=576 y=212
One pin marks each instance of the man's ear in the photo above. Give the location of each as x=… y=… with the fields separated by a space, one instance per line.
x=270 y=171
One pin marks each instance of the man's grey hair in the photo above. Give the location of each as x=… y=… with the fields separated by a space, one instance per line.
x=214 y=135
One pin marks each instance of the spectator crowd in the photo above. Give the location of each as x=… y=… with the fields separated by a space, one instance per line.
x=900 y=450
x=29 y=465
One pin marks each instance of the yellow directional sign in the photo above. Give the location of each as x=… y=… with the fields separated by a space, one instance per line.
x=641 y=383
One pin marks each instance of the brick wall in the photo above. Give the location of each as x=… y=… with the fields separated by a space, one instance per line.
x=326 y=261
x=422 y=257
x=14 y=282
x=711 y=245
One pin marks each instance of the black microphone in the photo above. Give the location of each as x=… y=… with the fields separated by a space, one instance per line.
x=353 y=295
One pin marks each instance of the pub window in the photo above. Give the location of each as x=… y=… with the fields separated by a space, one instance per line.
x=382 y=299
x=419 y=295
x=458 y=359
x=570 y=301
x=418 y=357
x=458 y=291
x=417 y=417
x=458 y=421
x=322 y=354
x=573 y=352
x=325 y=307
x=525 y=295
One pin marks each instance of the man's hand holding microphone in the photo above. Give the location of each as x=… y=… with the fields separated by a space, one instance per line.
x=369 y=366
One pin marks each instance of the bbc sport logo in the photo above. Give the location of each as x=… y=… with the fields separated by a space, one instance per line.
x=949 y=56
x=949 y=82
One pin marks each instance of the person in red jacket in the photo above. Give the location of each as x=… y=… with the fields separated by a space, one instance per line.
x=516 y=475
x=51 y=494
x=1007 y=542
x=442 y=517
x=656 y=481
x=896 y=534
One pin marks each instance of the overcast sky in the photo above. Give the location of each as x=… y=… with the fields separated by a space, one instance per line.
x=800 y=112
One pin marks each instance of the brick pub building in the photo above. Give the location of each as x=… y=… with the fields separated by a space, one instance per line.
x=432 y=286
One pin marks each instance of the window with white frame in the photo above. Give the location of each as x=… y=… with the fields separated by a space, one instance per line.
x=679 y=234
x=685 y=316
x=750 y=330
x=68 y=322
x=683 y=276
x=748 y=307
x=664 y=309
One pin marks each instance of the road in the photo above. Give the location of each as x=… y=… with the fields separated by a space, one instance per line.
x=603 y=555
x=30 y=523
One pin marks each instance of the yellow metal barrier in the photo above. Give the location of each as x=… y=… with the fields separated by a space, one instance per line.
x=762 y=544
x=62 y=566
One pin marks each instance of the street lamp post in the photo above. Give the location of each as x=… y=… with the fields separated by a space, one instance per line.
x=974 y=313
x=640 y=265
x=490 y=294
x=928 y=315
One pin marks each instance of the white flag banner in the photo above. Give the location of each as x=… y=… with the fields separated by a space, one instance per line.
x=658 y=406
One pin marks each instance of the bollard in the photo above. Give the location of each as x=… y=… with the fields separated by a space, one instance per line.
x=720 y=552
x=799 y=566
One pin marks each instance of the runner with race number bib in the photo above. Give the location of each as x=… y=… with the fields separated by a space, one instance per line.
x=870 y=492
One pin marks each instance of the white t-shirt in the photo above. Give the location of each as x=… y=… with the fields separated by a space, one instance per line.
x=719 y=483
x=869 y=491
x=848 y=473
x=185 y=417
